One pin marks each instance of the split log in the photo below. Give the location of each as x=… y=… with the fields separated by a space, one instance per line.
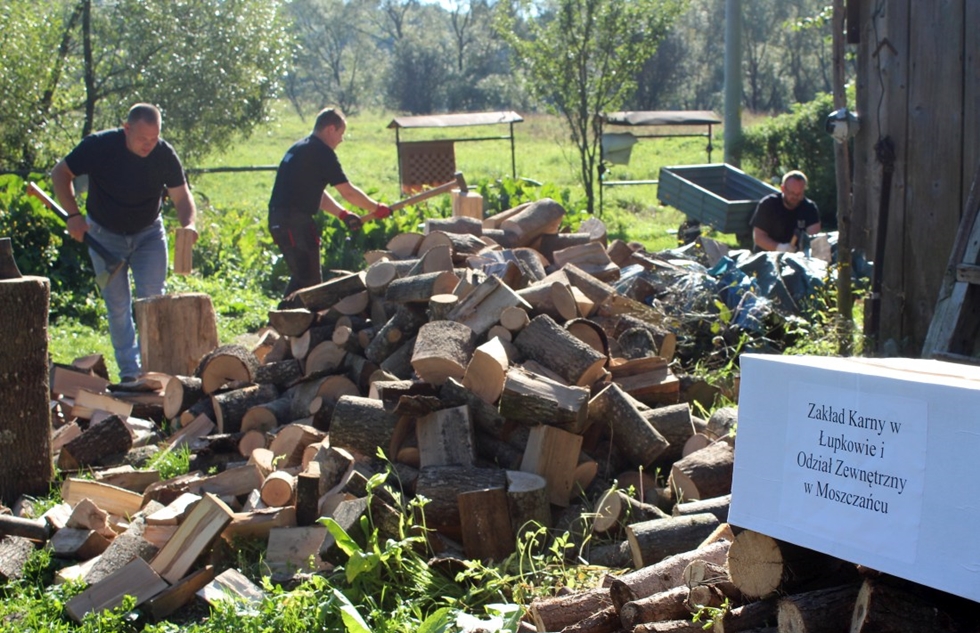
x=104 y=439
x=760 y=565
x=442 y=351
x=546 y=342
x=404 y=245
x=494 y=221
x=445 y=438
x=539 y=218
x=226 y=364
x=352 y=304
x=419 y=288
x=485 y=524
x=486 y=371
x=527 y=498
x=554 y=614
x=230 y=406
x=481 y=308
x=334 y=462
x=554 y=299
x=180 y=394
x=290 y=442
x=204 y=523
x=175 y=331
x=550 y=243
x=717 y=506
x=818 y=611
x=647 y=379
x=361 y=425
x=173 y=598
x=436 y=249
x=442 y=485
x=531 y=399
x=486 y=418
x=616 y=509
x=324 y=295
x=590 y=257
x=300 y=346
x=330 y=391
x=632 y=433
x=663 y=575
x=292 y=322
x=136 y=579
x=403 y=325
x=399 y=363
x=652 y=541
x=326 y=358
x=553 y=454
x=308 y=495
x=705 y=473
x=595 y=289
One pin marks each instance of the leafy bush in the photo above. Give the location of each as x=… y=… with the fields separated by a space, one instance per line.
x=797 y=140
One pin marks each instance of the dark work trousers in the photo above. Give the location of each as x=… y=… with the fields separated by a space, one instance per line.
x=299 y=242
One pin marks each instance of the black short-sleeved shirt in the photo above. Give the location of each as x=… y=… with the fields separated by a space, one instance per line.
x=779 y=222
x=125 y=190
x=304 y=172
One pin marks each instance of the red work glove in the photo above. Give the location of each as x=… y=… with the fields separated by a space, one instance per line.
x=382 y=211
x=352 y=220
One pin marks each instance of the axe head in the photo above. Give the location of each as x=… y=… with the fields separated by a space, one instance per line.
x=460 y=182
x=102 y=279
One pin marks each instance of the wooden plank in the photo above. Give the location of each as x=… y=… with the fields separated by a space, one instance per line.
x=112 y=499
x=67 y=382
x=935 y=128
x=204 y=523
x=891 y=73
x=136 y=579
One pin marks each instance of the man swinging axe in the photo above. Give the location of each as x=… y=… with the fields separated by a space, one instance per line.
x=299 y=192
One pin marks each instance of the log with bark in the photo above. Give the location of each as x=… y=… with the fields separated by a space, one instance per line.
x=226 y=364
x=546 y=342
x=443 y=350
x=704 y=473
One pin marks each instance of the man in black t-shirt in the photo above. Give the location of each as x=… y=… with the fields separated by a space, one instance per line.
x=300 y=191
x=780 y=219
x=128 y=170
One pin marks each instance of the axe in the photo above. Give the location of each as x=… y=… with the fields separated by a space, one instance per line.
x=113 y=264
x=458 y=182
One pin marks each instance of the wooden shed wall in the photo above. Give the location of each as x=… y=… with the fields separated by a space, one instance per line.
x=918 y=83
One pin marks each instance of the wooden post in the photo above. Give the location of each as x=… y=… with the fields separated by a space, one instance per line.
x=175 y=331
x=25 y=427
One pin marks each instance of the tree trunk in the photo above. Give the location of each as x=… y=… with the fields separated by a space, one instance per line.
x=25 y=426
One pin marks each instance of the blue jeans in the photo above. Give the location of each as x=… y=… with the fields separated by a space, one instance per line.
x=145 y=254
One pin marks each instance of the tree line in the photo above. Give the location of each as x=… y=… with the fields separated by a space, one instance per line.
x=69 y=67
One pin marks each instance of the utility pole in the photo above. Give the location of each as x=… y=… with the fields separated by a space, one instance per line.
x=733 y=82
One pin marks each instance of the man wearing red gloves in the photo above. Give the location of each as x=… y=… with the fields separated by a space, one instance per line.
x=300 y=191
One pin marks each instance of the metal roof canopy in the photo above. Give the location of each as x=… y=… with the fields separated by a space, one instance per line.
x=463 y=119
x=654 y=118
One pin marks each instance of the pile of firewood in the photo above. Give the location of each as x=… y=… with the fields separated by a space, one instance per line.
x=503 y=378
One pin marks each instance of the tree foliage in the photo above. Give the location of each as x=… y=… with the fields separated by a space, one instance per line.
x=70 y=68
x=582 y=58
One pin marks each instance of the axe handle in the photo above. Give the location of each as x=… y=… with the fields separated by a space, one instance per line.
x=419 y=197
x=111 y=260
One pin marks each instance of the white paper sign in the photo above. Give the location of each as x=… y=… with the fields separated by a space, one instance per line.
x=854 y=465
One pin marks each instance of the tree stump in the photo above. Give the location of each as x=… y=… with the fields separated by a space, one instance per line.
x=175 y=331
x=25 y=427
